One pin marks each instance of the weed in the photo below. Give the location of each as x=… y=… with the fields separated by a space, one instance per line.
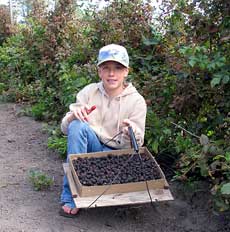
x=58 y=144
x=40 y=180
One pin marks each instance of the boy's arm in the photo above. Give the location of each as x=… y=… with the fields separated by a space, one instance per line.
x=81 y=102
x=137 y=122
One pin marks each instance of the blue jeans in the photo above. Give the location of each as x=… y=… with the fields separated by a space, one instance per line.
x=81 y=139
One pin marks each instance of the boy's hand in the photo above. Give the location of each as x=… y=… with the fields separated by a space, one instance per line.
x=82 y=113
x=127 y=123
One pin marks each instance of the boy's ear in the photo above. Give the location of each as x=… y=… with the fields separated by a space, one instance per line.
x=99 y=72
x=127 y=72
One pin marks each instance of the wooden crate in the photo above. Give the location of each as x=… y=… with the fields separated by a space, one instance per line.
x=116 y=199
x=87 y=191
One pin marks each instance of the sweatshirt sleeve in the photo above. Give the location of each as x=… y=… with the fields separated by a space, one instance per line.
x=81 y=100
x=65 y=123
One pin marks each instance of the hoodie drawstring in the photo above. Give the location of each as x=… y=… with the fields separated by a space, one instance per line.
x=119 y=116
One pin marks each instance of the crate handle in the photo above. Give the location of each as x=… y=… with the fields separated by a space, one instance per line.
x=133 y=140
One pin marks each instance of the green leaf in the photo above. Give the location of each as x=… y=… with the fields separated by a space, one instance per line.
x=217 y=157
x=225 y=79
x=225 y=189
x=215 y=81
x=221 y=205
x=167 y=131
x=155 y=146
x=149 y=42
x=192 y=62
x=227 y=156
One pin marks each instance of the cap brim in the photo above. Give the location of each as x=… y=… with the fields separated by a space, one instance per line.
x=101 y=62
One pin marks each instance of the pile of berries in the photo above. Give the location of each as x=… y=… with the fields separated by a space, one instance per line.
x=116 y=169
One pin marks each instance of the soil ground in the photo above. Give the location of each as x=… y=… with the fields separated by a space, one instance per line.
x=22 y=209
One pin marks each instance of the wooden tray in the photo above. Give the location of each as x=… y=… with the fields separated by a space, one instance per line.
x=115 y=199
x=88 y=191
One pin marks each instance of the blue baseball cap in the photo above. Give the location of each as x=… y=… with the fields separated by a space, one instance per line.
x=113 y=52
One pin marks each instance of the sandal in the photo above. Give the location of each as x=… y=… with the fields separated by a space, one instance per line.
x=70 y=213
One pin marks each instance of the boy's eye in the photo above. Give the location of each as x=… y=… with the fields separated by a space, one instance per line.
x=119 y=67
x=105 y=67
x=116 y=67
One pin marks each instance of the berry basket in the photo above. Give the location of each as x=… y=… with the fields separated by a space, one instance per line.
x=115 y=172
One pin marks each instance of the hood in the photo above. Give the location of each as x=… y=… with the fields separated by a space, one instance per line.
x=130 y=89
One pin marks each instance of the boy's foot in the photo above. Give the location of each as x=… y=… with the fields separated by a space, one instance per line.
x=69 y=212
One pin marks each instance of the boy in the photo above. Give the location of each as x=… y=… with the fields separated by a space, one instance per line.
x=99 y=119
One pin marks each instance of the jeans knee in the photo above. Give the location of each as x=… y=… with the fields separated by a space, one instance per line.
x=76 y=127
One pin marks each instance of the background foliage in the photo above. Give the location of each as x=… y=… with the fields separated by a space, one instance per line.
x=179 y=62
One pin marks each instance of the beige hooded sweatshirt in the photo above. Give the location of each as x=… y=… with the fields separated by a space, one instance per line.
x=106 y=119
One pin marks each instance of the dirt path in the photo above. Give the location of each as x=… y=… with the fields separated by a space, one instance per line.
x=23 y=146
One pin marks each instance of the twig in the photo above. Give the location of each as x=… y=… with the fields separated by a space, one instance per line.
x=4 y=185
x=198 y=137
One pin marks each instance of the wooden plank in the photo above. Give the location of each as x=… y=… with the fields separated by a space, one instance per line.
x=124 y=199
x=70 y=180
x=118 y=198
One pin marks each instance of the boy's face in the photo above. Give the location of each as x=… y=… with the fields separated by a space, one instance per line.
x=112 y=75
